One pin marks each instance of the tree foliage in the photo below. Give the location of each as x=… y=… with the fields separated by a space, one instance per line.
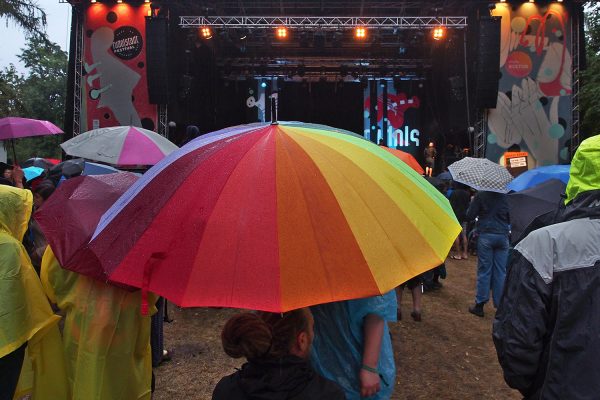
x=26 y=14
x=39 y=95
x=590 y=90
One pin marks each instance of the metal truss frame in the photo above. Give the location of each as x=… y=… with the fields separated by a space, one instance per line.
x=575 y=117
x=264 y=22
x=163 y=127
x=480 y=134
x=77 y=73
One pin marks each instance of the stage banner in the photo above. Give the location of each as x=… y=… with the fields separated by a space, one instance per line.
x=403 y=116
x=534 y=99
x=114 y=80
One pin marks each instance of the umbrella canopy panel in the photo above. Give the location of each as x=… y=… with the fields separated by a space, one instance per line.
x=539 y=175
x=68 y=218
x=120 y=145
x=528 y=204
x=274 y=218
x=481 y=174
x=15 y=128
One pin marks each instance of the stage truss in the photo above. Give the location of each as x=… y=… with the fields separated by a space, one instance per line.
x=263 y=22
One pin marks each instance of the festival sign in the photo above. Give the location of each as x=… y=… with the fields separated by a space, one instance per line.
x=403 y=127
x=534 y=97
x=114 y=81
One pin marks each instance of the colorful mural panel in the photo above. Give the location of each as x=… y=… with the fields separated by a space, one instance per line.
x=534 y=99
x=114 y=81
x=403 y=111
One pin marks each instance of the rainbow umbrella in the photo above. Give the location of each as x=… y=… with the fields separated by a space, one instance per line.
x=407 y=158
x=274 y=217
x=120 y=145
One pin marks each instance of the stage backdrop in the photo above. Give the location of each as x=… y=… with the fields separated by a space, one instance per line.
x=534 y=99
x=114 y=80
x=404 y=111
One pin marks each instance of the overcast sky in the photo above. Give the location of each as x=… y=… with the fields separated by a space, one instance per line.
x=13 y=39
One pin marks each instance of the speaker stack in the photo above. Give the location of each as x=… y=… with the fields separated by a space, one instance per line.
x=157 y=29
x=488 y=63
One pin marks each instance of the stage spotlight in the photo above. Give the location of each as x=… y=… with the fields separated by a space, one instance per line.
x=360 y=32
x=281 y=33
x=92 y=1
x=439 y=33
x=263 y=84
x=205 y=32
x=119 y=1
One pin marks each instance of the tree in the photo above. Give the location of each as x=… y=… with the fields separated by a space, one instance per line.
x=589 y=99
x=27 y=14
x=40 y=94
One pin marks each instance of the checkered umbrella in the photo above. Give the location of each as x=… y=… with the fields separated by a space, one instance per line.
x=481 y=174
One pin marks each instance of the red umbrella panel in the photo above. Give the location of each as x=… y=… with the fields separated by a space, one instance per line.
x=68 y=218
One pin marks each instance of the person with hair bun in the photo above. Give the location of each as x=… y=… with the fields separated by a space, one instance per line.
x=277 y=347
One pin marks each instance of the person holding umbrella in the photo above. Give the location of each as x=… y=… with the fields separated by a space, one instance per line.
x=490 y=207
x=493 y=225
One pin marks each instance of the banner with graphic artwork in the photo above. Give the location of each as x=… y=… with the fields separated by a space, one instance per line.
x=403 y=112
x=534 y=100
x=114 y=82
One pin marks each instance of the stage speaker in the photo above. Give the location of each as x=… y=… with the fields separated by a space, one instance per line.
x=488 y=63
x=157 y=29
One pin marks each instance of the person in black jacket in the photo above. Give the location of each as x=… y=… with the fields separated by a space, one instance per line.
x=277 y=347
x=493 y=227
x=546 y=330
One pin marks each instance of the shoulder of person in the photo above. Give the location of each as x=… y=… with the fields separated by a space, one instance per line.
x=320 y=388
x=228 y=388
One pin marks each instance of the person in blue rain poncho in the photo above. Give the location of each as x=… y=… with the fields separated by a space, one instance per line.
x=352 y=345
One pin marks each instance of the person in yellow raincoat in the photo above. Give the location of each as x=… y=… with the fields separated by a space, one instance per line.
x=26 y=319
x=106 y=338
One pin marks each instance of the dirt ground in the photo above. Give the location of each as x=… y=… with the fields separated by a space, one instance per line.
x=449 y=355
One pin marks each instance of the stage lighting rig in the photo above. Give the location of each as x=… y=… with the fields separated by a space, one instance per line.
x=281 y=33
x=439 y=33
x=205 y=32
x=360 y=32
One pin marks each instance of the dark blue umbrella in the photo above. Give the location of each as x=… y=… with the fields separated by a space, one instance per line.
x=528 y=204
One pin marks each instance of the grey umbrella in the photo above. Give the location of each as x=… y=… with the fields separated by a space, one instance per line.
x=481 y=174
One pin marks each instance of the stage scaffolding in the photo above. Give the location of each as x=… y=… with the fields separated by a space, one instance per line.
x=263 y=22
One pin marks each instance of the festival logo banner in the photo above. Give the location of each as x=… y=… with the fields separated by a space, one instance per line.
x=114 y=81
x=403 y=122
x=533 y=113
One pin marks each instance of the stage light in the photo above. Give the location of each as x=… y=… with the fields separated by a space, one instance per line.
x=146 y=1
x=205 y=32
x=281 y=32
x=119 y=1
x=263 y=84
x=360 y=32
x=92 y=1
x=439 y=33
x=532 y=1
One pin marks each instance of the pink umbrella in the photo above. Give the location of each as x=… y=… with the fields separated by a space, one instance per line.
x=15 y=128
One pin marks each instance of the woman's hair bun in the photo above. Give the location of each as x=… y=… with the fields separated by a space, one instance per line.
x=246 y=335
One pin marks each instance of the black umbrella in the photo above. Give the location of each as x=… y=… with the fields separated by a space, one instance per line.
x=69 y=169
x=528 y=204
x=37 y=162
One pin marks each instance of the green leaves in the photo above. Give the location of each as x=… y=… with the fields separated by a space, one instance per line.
x=40 y=94
x=26 y=14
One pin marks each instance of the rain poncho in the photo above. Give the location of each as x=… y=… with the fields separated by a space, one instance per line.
x=338 y=343
x=106 y=339
x=584 y=168
x=25 y=314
